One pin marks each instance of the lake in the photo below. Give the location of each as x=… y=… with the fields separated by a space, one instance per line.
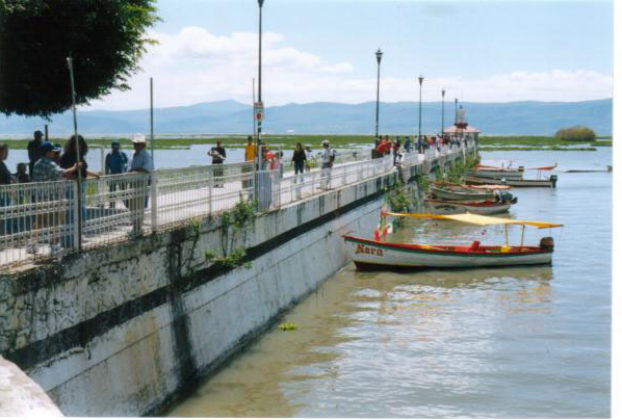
x=515 y=342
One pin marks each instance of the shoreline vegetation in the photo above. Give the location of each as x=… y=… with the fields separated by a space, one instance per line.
x=286 y=142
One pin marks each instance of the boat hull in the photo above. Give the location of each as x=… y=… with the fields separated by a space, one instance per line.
x=463 y=194
x=477 y=208
x=518 y=183
x=370 y=254
x=492 y=174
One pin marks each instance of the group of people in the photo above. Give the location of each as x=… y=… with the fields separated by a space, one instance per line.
x=53 y=162
x=385 y=146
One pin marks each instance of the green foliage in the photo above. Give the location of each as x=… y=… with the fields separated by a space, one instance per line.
x=232 y=222
x=106 y=39
x=576 y=133
x=422 y=182
x=234 y=259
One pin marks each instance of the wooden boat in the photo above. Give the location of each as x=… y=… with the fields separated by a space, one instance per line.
x=550 y=182
x=448 y=192
x=380 y=254
x=484 y=207
x=496 y=172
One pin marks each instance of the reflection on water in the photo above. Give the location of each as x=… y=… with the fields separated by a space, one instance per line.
x=513 y=342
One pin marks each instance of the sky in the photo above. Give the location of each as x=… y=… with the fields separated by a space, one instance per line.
x=324 y=50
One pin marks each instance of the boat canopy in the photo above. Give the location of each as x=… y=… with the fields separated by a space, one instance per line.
x=476 y=219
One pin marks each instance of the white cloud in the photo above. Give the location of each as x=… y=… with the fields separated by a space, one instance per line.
x=195 y=65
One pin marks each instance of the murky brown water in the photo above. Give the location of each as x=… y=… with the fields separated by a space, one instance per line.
x=517 y=342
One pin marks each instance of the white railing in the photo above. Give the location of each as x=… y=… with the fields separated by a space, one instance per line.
x=39 y=220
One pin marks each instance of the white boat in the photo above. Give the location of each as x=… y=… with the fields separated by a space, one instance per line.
x=380 y=254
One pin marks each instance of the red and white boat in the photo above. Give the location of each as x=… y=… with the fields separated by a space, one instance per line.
x=380 y=254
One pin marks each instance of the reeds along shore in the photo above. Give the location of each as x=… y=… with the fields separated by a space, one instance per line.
x=342 y=141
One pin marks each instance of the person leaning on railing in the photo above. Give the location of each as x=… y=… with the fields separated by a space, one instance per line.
x=46 y=169
x=141 y=164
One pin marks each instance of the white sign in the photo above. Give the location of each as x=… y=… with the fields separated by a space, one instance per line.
x=258 y=111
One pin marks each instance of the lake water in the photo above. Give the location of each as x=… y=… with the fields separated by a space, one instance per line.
x=516 y=342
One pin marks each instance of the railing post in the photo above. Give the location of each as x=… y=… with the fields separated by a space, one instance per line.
x=75 y=219
x=210 y=189
x=154 y=202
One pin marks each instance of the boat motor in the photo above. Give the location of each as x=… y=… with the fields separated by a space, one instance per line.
x=553 y=180
x=547 y=244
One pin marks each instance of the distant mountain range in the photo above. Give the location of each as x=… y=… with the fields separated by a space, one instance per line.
x=231 y=117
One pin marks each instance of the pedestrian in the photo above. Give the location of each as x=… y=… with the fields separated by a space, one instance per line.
x=34 y=152
x=5 y=175
x=299 y=158
x=115 y=163
x=70 y=157
x=407 y=144
x=5 y=198
x=141 y=166
x=328 y=158
x=396 y=149
x=218 y=155
x=21 y=175
x=45 y=169
x=250 y=155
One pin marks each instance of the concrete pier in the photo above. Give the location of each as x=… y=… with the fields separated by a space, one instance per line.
x=124 y=330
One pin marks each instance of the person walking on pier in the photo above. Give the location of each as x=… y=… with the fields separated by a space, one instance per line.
x=218 y=155
x=328 y=158
x=407 y=144
x=115 y=163
x=141 y=165
x=299 y=158
x=250 y=155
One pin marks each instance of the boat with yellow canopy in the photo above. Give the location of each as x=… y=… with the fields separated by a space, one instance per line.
x=380 y=254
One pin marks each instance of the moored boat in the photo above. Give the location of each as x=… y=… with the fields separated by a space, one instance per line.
x=550 y=182
x=495 y=172
x=380 y=254
x=448 y=192
x=484 y=207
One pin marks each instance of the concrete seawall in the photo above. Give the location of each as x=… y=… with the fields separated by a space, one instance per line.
x=121 y=331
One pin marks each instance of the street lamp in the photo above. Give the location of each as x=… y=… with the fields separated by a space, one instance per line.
x=442 y=111
x=378 y=58
x=420 y=83
x=455 y=110
x=258 y=141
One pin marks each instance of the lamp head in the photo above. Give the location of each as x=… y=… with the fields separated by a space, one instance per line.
x=420 y=80
x=443 y=92
x=378 y=55
x=260 y=2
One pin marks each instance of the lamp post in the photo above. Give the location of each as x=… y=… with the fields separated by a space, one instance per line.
x=455 y=110
x=420 y=83
x=442 y=111
x=378 y=58
x=258 y=140
x=257 y=177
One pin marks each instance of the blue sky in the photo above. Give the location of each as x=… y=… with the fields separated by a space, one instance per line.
x=487 y=51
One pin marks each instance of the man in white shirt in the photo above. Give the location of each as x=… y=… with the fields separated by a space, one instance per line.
x=327 y=158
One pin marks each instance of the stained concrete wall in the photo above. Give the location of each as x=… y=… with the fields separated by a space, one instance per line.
x=121 y=331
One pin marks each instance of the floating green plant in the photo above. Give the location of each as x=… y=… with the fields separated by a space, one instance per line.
x=287 y=326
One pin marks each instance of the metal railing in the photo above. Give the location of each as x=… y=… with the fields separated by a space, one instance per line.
x=37 y=220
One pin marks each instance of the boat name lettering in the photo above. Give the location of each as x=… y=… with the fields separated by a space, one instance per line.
x=362 y=249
